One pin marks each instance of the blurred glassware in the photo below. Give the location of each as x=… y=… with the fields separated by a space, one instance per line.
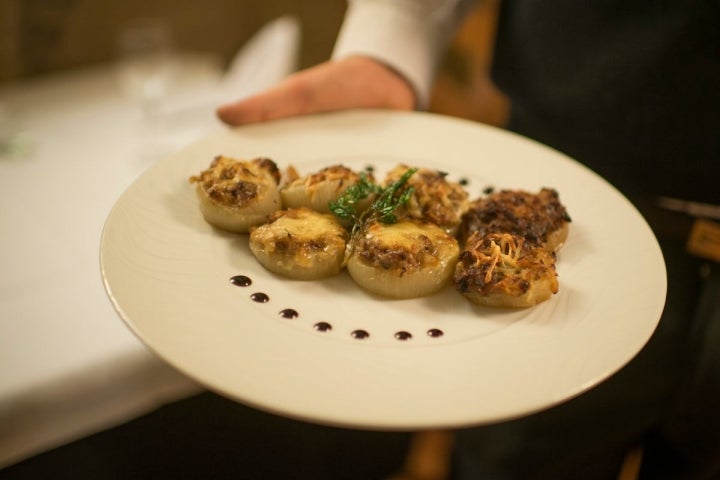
x=145 y=66
x=14 y=141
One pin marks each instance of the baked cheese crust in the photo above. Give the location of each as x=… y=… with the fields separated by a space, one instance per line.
x=300 y=243
x=235 y=194
x=404 y=259
x=505 y=270
x=318 y=189
x=538 y=217
x=435 y=200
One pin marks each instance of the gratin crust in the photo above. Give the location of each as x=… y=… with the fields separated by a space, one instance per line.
x=300 y=243
x=538 y=217
x=236 y=183
x=404 y=259
x=505 y=270
x=236 y=194
x=317 y=190
x=435 y=200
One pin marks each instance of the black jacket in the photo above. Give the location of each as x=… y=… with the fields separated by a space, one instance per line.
x=631 y=88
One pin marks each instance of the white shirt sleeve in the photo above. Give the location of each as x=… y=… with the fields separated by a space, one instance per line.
x=407 y=35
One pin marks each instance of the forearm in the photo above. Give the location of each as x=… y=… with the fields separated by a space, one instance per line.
x=385 y=57
x=408 y=36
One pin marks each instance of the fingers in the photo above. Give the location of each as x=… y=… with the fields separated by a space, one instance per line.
x=351 y=83
x=289 y=98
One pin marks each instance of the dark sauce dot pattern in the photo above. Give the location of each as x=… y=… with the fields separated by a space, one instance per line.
x=322 y=327
x=290 y=313
x=435 y=332
x=403 y=335
x=259 y=297
x=360 y=334
x=241 y=281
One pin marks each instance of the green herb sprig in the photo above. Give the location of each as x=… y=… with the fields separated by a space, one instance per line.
x=383 y=208
x=389 y=200
x=345 y=207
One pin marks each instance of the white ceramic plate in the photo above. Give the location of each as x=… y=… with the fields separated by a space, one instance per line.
x=168 y=274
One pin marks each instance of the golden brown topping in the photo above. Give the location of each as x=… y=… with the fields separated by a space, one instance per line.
x=299 y=239
x=505 y=264
x=405 y=246
x=533 y=216
x=339 y=173
x=236 y=183
x=270 y=167
x=435 y=200
x=318 y=189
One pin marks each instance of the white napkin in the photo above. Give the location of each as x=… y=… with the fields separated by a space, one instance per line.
x=268 y=57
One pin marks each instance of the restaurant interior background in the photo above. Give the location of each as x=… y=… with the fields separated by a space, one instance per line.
x=39 y=37
x=206 y=435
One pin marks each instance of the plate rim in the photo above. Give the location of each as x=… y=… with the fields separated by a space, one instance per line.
x=281 y=409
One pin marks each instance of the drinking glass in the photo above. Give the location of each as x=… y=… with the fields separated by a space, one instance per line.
x=145 y=71
x=145 y=66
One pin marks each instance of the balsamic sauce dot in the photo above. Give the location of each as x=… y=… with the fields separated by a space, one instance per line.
x=322 y=327
x=241 y=281
x=259 y=297
x=464 y=182
x=488 y=190
x=369 y=168
x=402 y=335
x=359 y=334
x=289 y=313
x=435 y=332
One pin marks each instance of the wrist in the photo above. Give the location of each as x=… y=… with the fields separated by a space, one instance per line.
x=386 y=87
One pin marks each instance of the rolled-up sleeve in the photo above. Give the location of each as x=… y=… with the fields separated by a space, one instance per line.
x=407 y=35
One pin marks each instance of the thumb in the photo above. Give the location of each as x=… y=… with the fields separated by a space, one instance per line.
x=354 y=82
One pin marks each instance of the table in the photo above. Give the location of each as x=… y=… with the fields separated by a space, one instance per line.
x=68 y=366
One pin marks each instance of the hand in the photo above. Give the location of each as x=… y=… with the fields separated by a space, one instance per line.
x=354 y=82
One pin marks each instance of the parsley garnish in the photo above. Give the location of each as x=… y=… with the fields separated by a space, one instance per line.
x=383 y=208
x=392 y=198
x=345 y=207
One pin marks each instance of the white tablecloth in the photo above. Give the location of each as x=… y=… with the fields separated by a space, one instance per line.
x=69 y=367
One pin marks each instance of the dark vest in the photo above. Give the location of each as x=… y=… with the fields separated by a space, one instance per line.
x=631 y=88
